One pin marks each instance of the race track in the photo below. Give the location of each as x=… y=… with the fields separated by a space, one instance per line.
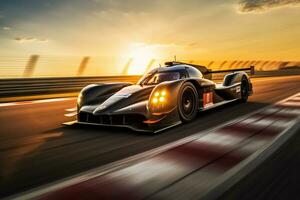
x=36 y=149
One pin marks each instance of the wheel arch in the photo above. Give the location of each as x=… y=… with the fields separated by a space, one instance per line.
x=197 y=85
x=236 y=77
x=172 y=87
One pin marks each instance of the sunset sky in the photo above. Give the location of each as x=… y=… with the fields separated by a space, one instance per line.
x=189 y=29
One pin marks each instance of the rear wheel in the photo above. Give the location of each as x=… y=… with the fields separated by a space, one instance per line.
x=187 y=102
x=244 y=90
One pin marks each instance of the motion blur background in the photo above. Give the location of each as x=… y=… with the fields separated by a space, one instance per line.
x=130 y=37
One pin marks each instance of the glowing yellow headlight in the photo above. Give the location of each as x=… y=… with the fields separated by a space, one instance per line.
x=154 y=100
x=161 y=99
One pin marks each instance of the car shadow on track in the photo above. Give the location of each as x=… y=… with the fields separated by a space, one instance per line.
x=217 y=116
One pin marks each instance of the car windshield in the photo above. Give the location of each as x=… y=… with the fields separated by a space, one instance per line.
x=159 y=77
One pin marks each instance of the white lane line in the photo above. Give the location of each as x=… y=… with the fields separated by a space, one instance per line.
x=7 y=104
x=283 y=111
x=71 y=109
x=290 y=111
x=289 y=103
x=297 y=98
x=220 y=139
x=270 y=111
x=250 y=120
x=35 y=101
x=53 y=100
x=270 y=122
x=72 y=114
x=149 y=170
x=255 y=143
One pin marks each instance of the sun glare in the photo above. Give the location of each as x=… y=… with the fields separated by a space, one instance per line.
x=141 y=57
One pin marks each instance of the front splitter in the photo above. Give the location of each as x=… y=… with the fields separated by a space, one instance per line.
x=75 y=122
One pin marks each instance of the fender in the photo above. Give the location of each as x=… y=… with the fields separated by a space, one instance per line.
x=163 y=98
x=235 y=77
x=98 y=92
x=169 y=90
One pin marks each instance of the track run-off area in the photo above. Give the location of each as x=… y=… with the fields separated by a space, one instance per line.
x=36 y=149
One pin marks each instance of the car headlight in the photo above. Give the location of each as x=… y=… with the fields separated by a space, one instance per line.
x=159 y=97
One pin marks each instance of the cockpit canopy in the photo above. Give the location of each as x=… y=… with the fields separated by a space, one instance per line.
x=171 y=73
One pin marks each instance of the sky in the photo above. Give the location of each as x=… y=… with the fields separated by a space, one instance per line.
x=144 y=29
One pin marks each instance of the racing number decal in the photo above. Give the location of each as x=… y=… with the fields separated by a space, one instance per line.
x=207 y=99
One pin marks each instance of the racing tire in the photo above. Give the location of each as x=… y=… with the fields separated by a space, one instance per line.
x=187 y=102
x=244 y=90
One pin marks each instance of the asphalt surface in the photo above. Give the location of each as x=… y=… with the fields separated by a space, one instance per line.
x=35 y=149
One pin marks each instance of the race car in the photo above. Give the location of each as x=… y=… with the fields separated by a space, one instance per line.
x=162 y=98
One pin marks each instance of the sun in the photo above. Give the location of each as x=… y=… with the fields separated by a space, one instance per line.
x=141 y=57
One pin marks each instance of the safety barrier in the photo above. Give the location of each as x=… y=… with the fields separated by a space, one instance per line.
x=16 y=87
x=25 y=86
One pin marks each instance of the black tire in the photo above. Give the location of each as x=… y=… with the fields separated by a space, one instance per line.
x=187 y=102
x=244 y=90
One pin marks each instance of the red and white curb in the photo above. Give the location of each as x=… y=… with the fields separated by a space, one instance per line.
x=201 y=166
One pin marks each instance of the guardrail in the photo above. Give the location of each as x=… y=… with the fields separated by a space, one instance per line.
x=32 y=86
x=23 y=86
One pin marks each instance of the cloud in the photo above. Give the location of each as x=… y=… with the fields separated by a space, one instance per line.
x=166 y=45
x=29 y=39
x=263 y=5
x=172 y=48
x=6 y=28
x=127 y=7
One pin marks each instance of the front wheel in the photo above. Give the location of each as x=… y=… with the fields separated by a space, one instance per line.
x=187 y=102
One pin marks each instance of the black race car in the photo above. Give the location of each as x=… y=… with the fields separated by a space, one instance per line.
x=164 y=97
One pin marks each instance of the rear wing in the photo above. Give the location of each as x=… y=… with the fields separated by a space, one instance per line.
x=251 y=69
x=206 y=71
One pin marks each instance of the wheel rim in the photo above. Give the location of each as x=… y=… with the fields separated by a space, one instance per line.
x=188 y=102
